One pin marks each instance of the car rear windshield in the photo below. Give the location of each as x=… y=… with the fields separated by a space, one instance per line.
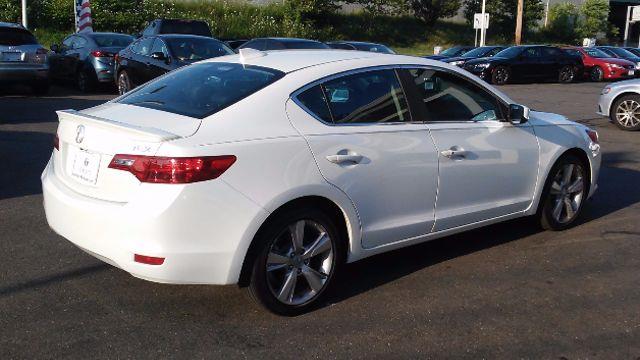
x=305 y=45
x=195 y=49
x=185 y=27
x=16 y=37
x=113 y=40
x=201 y=90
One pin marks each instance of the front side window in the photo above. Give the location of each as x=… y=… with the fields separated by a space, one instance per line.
x=143 y=47
x=448 y=97
x=369 y=97
x=533 y=52
x=201 y=90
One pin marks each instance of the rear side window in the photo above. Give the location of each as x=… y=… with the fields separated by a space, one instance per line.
x=201 y=90
x=368 y=97
x=16 y=37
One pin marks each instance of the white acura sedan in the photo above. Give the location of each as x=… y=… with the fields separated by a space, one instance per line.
x=271 y=170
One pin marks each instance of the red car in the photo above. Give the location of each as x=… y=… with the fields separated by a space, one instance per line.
x=600 y=66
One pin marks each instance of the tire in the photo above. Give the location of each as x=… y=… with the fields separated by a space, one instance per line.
x=567 y=74
x=596 y=74
x=40 y=88
x=625 y=112
x=500 y=75
x=277 y=265
x=85 y=81
x=565 y=193
x=124 y=82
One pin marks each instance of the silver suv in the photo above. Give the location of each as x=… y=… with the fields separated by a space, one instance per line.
x=22 y=59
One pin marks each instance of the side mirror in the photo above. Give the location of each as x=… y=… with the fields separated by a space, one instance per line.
x=518 y=114
x=158 y=56
x=54 y=47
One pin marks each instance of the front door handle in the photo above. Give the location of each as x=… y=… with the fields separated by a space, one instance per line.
x=455 y=152
x=345 y=158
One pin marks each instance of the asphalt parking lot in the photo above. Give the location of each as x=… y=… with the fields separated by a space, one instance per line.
x=506 y=291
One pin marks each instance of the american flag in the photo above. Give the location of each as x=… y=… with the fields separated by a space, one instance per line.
x=83 y=16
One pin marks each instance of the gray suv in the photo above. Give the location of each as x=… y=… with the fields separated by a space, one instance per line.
x=22 y=59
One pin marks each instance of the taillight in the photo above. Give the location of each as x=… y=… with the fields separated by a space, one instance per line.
x=149 y=260
x=176 y=170
x=593 y=135
x=56 y=142
x=116 y=57
x=99 y=53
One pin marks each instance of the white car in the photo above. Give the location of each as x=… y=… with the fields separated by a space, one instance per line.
x=272 y=169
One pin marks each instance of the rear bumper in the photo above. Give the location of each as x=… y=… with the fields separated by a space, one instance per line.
x=23 y=73
x=202 y=230
x=104 y=71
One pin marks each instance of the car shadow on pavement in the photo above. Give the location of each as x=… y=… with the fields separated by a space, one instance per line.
x=367 y=274
x=24 y=155
x=52 y=279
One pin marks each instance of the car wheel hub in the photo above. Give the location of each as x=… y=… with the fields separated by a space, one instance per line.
x=299 y=262
x=567 y=190
x=628 y=113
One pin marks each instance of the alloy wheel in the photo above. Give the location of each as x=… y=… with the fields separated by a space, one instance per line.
x=567 y=191
x=628 y=113
x=566 y=74
x=501 y=75
x=82 y=81
x=597 y=74
x=123 y=83
x=299 y=262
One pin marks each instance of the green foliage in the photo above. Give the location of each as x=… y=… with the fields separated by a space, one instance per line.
x=563 y=18
x=595 y=15
x=431 y=10
x=503 y=15
x=374 y=8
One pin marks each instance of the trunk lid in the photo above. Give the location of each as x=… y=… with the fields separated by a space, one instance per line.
x=88 y=141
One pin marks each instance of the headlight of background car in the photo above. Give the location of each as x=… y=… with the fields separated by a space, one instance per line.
x=457 y=63
x=481 y=66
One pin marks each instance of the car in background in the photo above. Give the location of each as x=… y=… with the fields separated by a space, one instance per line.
x=453 y=51
x=152 y=56
x=527 y=63
x=599 y=65
x=634 y=51
x=280 y=43
x=87 y=58
x=360 y=45
x=479 y=52
x=234 y=43
x=272 y=170
x=177 y=26
x=22 y=59
x=621 y=53
x=620 y=102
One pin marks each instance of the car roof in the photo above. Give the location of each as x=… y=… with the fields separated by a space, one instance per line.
x=11 y=25
x=354 y=42
x=102 y=33
x=292 y=60
x=182 y=36
x=287 y=39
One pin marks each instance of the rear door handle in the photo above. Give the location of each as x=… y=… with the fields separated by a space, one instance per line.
x=345 y=159
x=454 y=152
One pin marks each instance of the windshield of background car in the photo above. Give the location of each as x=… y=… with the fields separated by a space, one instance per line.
x=195 y=49
x=451 y=51
x=201 y=90
x=596 y=53
x=16 y=37
x=374 y=48
x=478 y=52
x=305 y=45
x=509 y=52
x=621 y=52
x=112 y=40
x=185 y=27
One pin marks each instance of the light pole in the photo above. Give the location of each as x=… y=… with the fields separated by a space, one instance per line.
x=24 y=13
x=546 y=14
x=483 y=28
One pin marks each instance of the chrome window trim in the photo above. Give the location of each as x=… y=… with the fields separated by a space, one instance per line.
x=294 y=95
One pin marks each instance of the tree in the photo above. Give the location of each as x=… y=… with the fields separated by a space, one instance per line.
x=563 y=18
x=381 y=7
x=503 y=14
x=431 y=10
x=595 y=18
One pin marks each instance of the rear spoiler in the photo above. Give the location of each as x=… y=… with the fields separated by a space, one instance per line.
x=140 y=132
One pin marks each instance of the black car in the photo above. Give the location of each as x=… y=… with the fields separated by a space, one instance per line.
x=87 y=58
x=620 y=53
x=152 y=56
x=526 y=63
x=451 y=52
x=283 y=44
x=177 y=26
x=480 y=52
x=361 y=46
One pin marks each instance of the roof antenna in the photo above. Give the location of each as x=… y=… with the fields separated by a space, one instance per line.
x=248 y=54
